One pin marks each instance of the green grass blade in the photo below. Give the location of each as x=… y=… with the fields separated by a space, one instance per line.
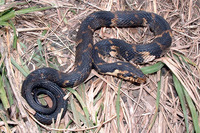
x=75 y=112
x=82 y=104
x=19 y=67
x=15 y=35
x=179 y=90
x=118 y=106
x=7 y=16
x=193 y=111
x=3 y=95
x=69 y=123
x=9 y=5
x=153 y=68
x=97 y=98
x=5 y=11
x=31 y=9
x=157 y=105
x=186 y=59
x=4 y=23
x=8 y=90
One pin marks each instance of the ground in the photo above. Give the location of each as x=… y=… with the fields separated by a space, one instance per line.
x=167 y=102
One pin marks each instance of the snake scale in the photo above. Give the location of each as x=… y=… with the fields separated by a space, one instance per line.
x=89 y=56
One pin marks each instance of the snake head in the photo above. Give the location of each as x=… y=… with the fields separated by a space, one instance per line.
x=135 y=76
x=132 y=77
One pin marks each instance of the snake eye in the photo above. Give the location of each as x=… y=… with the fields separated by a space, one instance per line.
x=134 y=76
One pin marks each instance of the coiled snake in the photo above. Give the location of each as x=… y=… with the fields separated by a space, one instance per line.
x=89 y=56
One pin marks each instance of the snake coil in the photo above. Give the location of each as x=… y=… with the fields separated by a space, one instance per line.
x=49 y=81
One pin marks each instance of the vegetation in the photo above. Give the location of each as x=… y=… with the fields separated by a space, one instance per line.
x=42 y=33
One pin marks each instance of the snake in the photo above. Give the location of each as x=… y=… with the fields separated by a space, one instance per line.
x=88 y=56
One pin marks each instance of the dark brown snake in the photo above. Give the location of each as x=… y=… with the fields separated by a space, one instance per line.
x=50 y=81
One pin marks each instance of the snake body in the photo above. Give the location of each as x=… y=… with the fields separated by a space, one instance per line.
x=50 y=81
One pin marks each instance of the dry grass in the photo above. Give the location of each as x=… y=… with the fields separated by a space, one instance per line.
x=47 y=38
